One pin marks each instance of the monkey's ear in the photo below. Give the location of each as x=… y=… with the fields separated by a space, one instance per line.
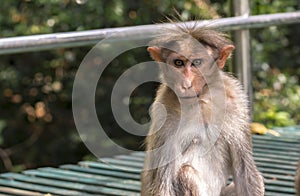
x=224 y=55
x=155 y=53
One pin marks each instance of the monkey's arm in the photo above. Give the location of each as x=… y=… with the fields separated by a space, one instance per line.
x=247 y=179
x=156 y=175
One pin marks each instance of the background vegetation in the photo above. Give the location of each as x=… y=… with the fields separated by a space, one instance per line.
x=36 y=124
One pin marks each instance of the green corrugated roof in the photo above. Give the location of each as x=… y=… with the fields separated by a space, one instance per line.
x=276 y=158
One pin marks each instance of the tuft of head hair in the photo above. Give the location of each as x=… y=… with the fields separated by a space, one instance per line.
x=207 y=36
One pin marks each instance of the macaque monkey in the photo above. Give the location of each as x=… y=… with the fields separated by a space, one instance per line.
x=199 y=134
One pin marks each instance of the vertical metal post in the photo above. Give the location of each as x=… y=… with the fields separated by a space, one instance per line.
x=242 y=43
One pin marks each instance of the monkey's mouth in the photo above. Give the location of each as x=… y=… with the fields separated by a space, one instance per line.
x=190 y=97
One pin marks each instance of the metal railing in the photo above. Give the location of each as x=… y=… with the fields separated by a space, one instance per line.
x=90 y=37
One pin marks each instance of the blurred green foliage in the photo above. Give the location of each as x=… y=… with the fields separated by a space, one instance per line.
x=276 y=67
x=36 y=124
x=277 y=98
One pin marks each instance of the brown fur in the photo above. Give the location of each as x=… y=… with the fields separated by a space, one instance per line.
x=179 y=168
x=188 y=180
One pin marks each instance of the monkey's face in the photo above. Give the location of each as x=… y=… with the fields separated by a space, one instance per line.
x=188 y=67
x=186 y=73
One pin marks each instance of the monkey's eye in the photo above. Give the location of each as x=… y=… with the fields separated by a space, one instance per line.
x=197 y=62
x=178 y=62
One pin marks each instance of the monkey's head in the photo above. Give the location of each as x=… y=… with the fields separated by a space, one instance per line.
x=189 y=57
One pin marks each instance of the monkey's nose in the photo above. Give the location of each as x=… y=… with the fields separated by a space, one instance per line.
x=187 y=84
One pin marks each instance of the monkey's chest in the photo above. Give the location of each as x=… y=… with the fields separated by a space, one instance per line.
x=210 y=165
x=201 y=147
x=197 y=139
x=198 y=152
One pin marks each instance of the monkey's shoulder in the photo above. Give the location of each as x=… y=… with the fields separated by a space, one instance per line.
x=234 y=90
x=232 y=85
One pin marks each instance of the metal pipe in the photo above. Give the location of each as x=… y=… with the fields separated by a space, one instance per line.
x=242 y=54
x=85 y=38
